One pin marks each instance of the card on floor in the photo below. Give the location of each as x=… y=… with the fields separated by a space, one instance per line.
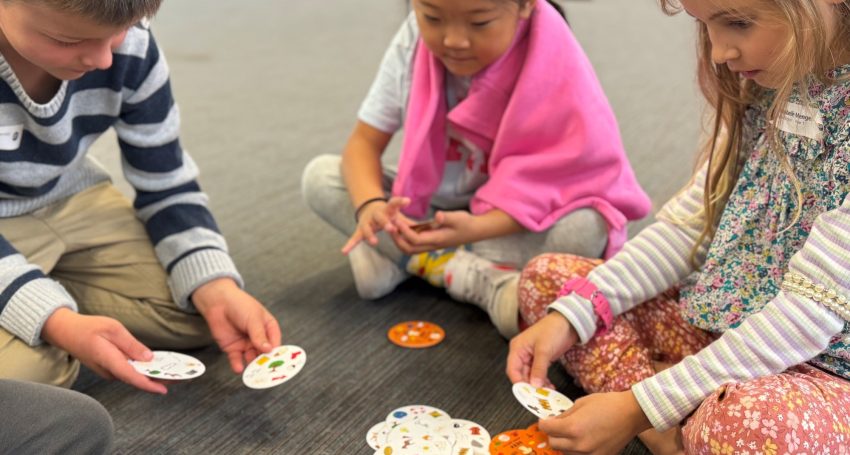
x=172 y=366
x=416 y=334
x=376 y=437
x=409 y=438
x=541 y=401
x=408 y=412
x=479 y=438
x=274 y=368
x=530 y=441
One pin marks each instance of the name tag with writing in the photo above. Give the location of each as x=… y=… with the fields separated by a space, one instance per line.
x=802 y=121
x=10 y=137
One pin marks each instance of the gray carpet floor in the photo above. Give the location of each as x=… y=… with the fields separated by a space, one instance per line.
x=265 y=86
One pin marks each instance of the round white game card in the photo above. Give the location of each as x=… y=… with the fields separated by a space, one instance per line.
x=274 y=368
x=377 y=435
x=411 y=411
x=172 y=366
x=478 y=436
x=541 y=401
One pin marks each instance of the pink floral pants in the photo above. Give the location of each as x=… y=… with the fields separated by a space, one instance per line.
x=802 y=410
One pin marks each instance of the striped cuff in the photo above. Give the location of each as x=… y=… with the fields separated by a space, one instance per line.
x=197 y=269
x=660 y=413
x=31 y=306
x=579 y=311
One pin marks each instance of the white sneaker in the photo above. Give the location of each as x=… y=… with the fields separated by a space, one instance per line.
x=487 y=285
x=375 y=275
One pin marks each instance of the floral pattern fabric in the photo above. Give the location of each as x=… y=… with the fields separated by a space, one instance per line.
x=802 y=410
x=755 y=238
x=652 y=332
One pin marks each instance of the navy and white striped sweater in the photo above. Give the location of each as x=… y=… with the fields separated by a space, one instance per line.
x=43 y=160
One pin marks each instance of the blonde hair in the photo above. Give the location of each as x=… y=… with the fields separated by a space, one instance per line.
x=808 y=57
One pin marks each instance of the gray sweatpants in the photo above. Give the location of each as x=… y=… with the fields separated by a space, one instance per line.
x=582 y=232
x=42 y=419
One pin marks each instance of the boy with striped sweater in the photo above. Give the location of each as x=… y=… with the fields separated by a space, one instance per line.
x=85 y=276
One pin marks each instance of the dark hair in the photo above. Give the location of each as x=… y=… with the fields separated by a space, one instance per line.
x=558 y=8
x=106 y=12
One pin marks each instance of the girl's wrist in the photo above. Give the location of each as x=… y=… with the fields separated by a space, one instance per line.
x=359 y=210
x=637 y=416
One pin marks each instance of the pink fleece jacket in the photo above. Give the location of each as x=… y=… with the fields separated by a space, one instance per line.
x=540 y=115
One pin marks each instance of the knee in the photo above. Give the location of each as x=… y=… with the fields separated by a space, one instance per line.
x=734 y=406
x=95 y=425
x=43 y=364
x=321 y=173
x=537 y=286
x=556 y=267
x=538 y=266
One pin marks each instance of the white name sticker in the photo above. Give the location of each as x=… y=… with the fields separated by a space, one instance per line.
x=10 y=137
x=802 y=121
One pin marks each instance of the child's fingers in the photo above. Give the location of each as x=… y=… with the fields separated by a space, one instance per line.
x=352 y=242
x=250 y=355
x=517 y=368
x=440 y=217
x=129 y=346
x=409 y=248
x=235 y=359
x=369 y=234
x=117 y=364
x=257 y=334
x=395 y=204
x=273 y=333
x=539 y=374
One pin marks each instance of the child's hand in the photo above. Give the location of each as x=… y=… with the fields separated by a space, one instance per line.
x=452 y=228
x=373 y=218
x=102 y=344
x=239 y=323
x=533 y=350
x=600 y=423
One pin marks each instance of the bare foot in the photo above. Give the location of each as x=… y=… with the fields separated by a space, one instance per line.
x=667 y=443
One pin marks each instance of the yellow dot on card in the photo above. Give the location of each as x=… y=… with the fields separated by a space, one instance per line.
x=262 y=360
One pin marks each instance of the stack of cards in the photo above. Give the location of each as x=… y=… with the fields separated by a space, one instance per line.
x=515 y=442
x=419 y=429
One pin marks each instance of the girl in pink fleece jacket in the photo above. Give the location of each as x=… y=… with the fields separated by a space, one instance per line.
x=510 y=150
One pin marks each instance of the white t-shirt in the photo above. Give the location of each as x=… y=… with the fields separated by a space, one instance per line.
x=385 y=108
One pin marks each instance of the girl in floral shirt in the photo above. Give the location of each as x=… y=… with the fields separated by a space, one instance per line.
x=732 y=312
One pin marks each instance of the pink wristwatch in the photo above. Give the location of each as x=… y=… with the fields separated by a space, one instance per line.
x=586 y=289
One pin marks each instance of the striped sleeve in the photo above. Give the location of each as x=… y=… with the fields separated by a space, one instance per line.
x=790 y=330
x=168 y=198
x=653 y=261
x=27 y=296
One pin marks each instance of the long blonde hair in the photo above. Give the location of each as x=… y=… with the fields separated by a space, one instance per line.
x=808 y=56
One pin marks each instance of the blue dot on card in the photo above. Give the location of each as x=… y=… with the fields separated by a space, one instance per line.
x=399 y=414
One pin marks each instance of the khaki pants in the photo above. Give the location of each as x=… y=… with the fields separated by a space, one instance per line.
x=93 y=244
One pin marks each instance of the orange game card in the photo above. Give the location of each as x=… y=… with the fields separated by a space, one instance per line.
x=416 y=334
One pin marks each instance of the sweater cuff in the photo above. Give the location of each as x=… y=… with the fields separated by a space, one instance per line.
x=197 y=269
x=662 y=415
x=31 y=306
x=579 y=311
